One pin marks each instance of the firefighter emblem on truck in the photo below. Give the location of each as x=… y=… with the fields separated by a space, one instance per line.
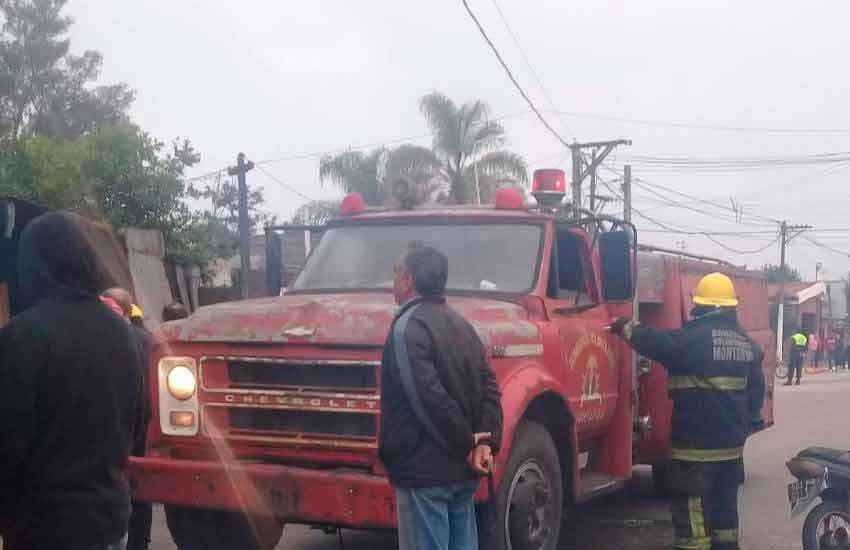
x=593 y=361
x=590 y=382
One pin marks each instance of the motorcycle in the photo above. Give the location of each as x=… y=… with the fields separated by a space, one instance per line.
x=822 y=473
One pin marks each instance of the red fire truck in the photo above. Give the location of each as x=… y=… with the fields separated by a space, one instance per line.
x=267 y=411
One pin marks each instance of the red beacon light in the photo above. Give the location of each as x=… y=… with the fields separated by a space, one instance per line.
x=549 y=186
x=352 y=205
x=508 y=198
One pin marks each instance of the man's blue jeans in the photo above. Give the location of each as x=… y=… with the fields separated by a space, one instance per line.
x=437 y=518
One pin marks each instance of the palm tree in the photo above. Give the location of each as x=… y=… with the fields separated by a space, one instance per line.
x=354 y=171
x=467 y=141
x=369 y=173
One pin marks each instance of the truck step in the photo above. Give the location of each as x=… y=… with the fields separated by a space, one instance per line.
x=596 y=484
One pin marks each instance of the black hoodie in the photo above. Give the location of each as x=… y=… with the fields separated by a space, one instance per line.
x=70 y=395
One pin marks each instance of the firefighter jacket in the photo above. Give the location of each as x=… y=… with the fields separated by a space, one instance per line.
x=715 y=380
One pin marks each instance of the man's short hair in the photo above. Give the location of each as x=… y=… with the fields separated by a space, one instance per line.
x=429 y=268
x=174 y=311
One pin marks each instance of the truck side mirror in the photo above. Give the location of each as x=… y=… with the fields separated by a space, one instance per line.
x=617 y=265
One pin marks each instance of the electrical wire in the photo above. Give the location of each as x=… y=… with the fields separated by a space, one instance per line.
x=707 y=234
x=734 y=164
x=699 y=200
x=320 y=154
x=826 y=247
x=536 y=75
x=717 y=127
x=283 y=184
x=739 y=251
x=512 y=77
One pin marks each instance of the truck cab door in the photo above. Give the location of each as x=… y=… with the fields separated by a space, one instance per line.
x=590 y=366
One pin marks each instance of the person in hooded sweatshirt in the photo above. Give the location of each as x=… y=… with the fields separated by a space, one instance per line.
x=70 y=397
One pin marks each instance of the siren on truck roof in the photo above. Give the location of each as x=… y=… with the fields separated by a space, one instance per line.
x=508 y=198
x=549 y=186
x=352 y=205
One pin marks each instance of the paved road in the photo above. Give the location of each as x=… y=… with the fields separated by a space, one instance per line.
x=815 y=413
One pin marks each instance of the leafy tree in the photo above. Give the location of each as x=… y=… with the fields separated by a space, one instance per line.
x=316 y=213
x=44 y=88
x=371 y=173
x=466 y=140
x=774 y=273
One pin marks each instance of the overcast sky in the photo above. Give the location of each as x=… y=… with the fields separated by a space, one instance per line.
x=281 y=78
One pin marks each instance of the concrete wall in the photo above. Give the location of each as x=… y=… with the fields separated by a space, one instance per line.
x=146 y=257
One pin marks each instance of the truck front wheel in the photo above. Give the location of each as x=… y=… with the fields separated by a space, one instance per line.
x=530 y=498
x=201 y=529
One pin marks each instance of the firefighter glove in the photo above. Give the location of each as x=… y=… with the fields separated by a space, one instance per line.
x=618 y=327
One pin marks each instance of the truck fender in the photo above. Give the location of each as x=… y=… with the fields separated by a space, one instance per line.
x=528 y=392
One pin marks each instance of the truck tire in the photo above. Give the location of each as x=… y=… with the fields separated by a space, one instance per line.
x=530 y=499
x=202 y=529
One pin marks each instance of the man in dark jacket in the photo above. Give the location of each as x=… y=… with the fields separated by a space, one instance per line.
x=70 y=388
x=441 y=416
x=717 y=386
x=141 y=516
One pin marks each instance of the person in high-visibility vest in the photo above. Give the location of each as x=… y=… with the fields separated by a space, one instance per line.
x=717 y=386
x=799 y=347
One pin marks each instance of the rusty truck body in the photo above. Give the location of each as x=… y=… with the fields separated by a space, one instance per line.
x=282 y=422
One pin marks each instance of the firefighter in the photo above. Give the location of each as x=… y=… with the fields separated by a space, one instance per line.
x=717 y=387
x=799 y=347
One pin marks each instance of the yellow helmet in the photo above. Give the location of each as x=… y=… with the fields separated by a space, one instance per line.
x=716 y=289
x=136 y=311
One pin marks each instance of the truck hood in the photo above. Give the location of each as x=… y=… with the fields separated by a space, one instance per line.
x=338 y=319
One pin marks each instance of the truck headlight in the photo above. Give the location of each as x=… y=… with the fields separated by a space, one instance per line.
x=181 y=382
x=179 y=409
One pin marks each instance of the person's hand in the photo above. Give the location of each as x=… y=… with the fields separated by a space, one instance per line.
x=481 y=436
x=481 y=459
x=618 y=326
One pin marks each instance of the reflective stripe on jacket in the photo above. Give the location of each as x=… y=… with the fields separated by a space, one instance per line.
x=715 y=381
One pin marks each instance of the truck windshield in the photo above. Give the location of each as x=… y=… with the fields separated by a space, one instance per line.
x=482 y=257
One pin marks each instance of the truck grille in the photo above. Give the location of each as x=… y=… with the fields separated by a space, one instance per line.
x=298 y=422
x=320 y=402
x=303 y=376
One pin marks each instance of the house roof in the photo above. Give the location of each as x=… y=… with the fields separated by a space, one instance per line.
x=798 y=292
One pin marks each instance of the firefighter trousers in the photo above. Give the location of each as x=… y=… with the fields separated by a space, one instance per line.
x=704 y=504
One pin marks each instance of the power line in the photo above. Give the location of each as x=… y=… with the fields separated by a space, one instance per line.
x=735 y=164
x=511 y=76
x=531 y=68
x=320 y=154
x=282 y=183
x=718 y=127
x=826 y=247
x=699 y=200
x=738 y=251
x=707 y=234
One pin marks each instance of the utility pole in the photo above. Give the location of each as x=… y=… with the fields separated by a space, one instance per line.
x=627 y=192
x=600 y=150
x=785 y=238
x=239 y=171
x=593 y=182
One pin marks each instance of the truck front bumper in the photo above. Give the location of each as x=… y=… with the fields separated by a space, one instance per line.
x=322 y=497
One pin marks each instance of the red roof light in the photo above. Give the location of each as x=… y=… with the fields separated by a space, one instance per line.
x=508 y=198
x=549 y=180
x=352 y=205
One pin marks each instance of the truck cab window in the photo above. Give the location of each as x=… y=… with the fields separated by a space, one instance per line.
x=573 y=283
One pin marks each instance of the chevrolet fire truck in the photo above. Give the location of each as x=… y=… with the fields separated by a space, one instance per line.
x=266 y=411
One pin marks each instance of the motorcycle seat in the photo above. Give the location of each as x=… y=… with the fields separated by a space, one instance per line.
x=826 y=454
